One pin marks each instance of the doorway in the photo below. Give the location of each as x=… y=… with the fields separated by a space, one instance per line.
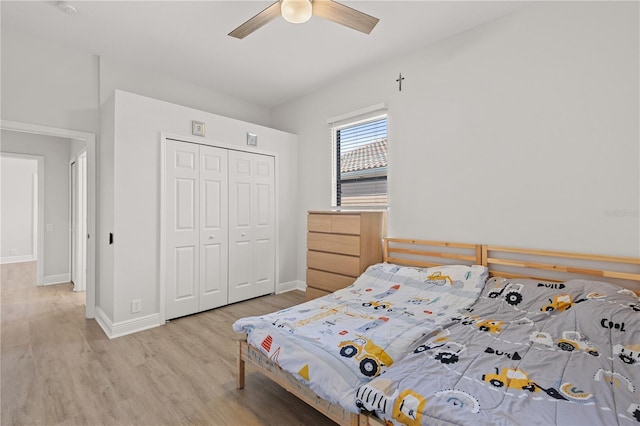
x=90 y=140
x=22 y=177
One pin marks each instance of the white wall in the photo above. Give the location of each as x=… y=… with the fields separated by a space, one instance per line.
x=19 y=208
x=48 y=84
x=115 y=75
x=138 y=122
x=520 y=132
x=56 y=196
x=105 y=210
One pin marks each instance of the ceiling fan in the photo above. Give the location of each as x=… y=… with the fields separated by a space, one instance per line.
x=299 y=11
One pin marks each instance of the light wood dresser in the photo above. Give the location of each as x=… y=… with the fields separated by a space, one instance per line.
x=340 y=246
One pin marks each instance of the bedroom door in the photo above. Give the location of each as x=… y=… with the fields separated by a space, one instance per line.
x=251 y=225
x=196 y=228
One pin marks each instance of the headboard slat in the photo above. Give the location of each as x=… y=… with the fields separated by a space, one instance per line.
x=510 y=262
x=425 y=253
x=561 y=268
x=470 y=258
x=409 y=262
x=565 y=255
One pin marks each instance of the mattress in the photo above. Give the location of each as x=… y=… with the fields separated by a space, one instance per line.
x=336 y=343
x=527 y=352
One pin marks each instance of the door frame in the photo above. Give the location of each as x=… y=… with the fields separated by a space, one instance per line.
x=78 y=194
x=73 y=178
x=162 y=250
x=90 y=140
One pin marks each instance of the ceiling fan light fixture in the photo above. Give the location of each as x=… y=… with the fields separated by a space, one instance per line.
x=296 y=11
x=67 y=8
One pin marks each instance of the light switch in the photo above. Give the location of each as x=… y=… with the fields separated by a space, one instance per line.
x=49 y=227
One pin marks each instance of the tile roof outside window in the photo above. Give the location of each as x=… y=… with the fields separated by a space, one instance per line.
x=369 y=156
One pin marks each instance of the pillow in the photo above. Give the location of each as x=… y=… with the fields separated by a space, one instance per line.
x=536 y=295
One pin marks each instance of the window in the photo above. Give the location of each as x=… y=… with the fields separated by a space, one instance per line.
x=360 y=163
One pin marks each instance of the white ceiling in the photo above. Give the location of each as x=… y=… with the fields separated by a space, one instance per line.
x=279 y=62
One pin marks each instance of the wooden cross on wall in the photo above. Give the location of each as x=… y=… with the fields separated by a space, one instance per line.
x=399 y=80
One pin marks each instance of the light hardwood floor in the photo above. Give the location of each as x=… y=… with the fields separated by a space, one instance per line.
x=57 y=368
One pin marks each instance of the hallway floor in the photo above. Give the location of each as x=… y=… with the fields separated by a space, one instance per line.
x=60 y=369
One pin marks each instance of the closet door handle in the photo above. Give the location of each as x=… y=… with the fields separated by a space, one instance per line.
x=243 y=235
x=211 y=237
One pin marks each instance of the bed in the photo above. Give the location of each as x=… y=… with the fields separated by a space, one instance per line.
x=544 y=350
x=398 y=395
x=326 y=348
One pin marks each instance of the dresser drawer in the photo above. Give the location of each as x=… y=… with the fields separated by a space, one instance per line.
x=327 y=281
x=314 y=293
x=338 y=263
x=334 y=223
x=334 y=243
x=319 y=222
x=345 y=224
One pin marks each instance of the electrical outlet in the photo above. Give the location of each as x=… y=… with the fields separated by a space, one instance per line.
x=136 y=306
x=14 y=252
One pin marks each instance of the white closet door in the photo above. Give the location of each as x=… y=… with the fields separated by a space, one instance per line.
x=182 y=232
x=264 y=225
x=251 y=225
x=214 y=228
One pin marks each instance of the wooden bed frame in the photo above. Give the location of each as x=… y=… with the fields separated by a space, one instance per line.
x=502 y=262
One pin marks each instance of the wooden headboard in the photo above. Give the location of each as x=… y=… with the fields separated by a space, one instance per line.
x=509 y=262
x=425 y=254
x=547 y=265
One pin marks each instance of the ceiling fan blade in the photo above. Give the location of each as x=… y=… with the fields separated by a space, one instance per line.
x=344 y=15
x=262 y=18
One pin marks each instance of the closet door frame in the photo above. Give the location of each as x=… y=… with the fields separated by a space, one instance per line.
x=162 y=252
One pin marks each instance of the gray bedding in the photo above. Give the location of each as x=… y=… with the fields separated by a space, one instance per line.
x=527 y=352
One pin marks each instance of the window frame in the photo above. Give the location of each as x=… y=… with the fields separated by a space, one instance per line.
x=347 y=121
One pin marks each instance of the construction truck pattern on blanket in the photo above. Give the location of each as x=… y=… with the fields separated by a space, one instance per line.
x=527 y=352
x=336 y=343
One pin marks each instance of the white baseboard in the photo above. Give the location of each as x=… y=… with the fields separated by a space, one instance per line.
x=56 y=279
x=17 y=259
x=122 y=328
x=291 y=285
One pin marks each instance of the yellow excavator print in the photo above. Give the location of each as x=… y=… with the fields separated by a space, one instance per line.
x=378 y=305
x=559 y=303
x=511 y=378
x=370 y=355
x=408 y=408
x=492 y=326
x=438 y=279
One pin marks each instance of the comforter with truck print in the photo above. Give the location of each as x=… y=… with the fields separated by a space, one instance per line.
x=527 y=352
x=338 y=342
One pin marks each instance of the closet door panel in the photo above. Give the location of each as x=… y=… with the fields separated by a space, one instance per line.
x=240 y=227
x=264 y=219
x=264 y=265
x=251 y=225
x=185 y=265
x=182 y=224
x=213 y=228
